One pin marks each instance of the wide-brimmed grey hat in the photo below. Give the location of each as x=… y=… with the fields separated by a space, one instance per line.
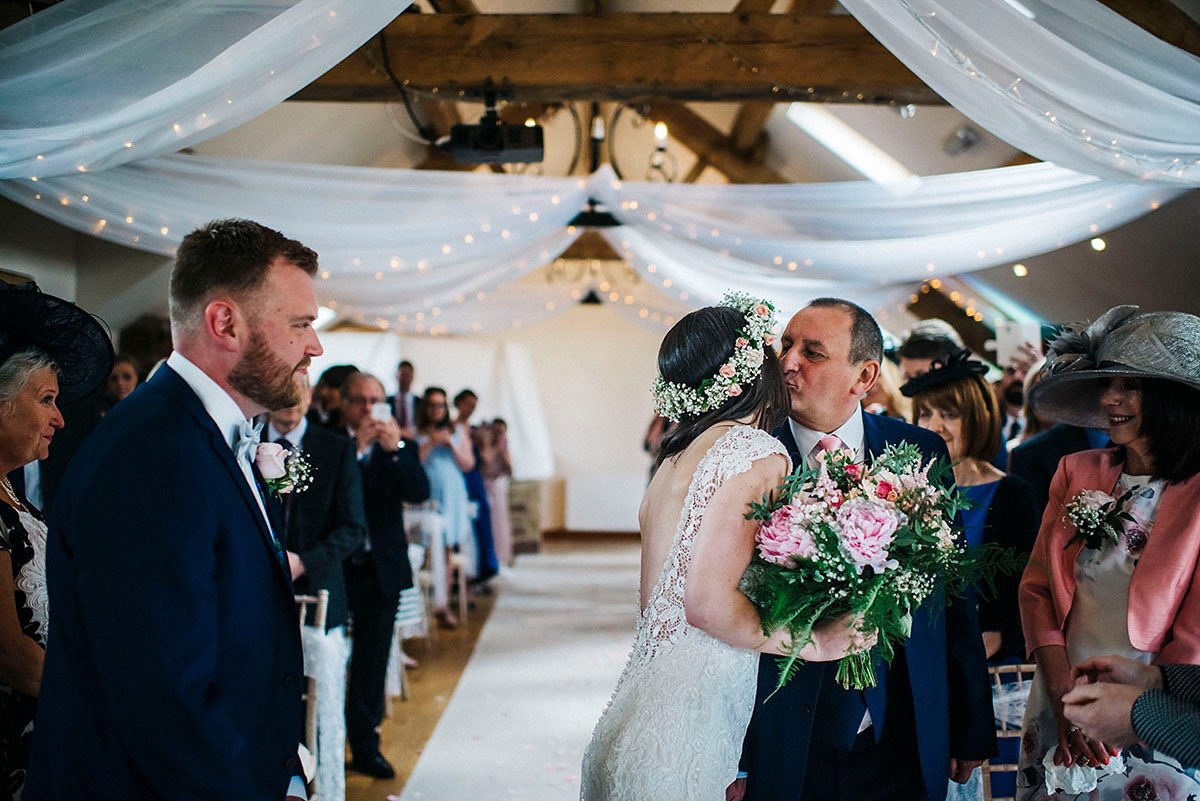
x=1119 y=342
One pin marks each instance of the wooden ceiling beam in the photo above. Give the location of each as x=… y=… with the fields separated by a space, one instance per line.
x=1162 y=19
x=629 y=58
x=710 y=145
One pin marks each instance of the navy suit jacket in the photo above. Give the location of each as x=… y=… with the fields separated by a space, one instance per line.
x=389 y=481
x=326 y=522
x=173 y=668
x=952 y=700
x=1036 y=459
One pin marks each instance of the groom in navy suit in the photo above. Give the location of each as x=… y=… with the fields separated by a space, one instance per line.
x=930 y=716
x=173 y=668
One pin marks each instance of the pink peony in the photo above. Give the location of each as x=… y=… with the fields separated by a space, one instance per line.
x=883 y=490
x=271 y=460
x=727 y=370
x=783 y=538
x=867 y=528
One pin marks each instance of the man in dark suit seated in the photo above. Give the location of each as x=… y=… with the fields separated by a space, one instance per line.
x=391 y=476
x=173 y=668
x=930 y=716
x=325 y=523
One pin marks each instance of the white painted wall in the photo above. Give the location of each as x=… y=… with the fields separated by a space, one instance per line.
x=33 y=246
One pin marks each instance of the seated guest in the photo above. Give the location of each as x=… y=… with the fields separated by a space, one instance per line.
x=375 y=574
x=1121 y=701
x=1128 y=588
x=122 y=380
x=50 y=350
x=325 y=523
x=446 y=453
x=955 y=402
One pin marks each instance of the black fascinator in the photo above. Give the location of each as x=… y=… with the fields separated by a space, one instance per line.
x=955 y=366
x=74 y=339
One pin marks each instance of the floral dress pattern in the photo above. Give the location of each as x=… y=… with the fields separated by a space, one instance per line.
x=1102 y=599
x=23 y=538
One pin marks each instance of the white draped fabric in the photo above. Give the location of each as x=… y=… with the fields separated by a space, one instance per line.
x=439 y=253
x=1069 y=81
x=89 y=84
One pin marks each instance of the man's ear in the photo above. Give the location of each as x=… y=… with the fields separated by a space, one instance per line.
x=867 y=376
x=224 y=324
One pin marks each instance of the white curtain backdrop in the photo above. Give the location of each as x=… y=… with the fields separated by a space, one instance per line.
x=1069 y=81
x=90 y=84
x=434 y=252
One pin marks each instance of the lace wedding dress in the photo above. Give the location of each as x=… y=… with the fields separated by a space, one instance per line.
x=674 y=727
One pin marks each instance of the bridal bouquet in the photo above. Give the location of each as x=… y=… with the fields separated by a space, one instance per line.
x=873 y=542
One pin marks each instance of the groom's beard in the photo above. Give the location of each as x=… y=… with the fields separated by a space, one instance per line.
x=265 y=378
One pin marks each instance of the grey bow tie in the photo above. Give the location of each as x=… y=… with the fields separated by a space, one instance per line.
x=247 y=441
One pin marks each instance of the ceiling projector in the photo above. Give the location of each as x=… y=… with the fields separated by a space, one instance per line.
x=494 y=142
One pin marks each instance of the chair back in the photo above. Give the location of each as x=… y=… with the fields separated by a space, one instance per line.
x=1010 y=693
x=319 y=605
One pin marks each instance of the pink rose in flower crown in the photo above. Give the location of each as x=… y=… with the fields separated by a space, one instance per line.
x=867 y=531
x=769 y=339
x=271 y=460
x=761 y=310
x=742 y=342
x=734 y=390
x=727 y=370
x=782 y=538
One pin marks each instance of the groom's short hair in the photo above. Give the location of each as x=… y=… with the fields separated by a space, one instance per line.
x=228 y=255
x=866 y=340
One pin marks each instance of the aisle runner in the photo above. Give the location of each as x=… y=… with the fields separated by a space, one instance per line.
x=543 y=670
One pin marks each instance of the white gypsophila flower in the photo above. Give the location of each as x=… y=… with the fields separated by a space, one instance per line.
x=676 y=401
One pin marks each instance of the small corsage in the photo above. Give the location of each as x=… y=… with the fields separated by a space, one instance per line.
x=1098 y=517
x=283 y=470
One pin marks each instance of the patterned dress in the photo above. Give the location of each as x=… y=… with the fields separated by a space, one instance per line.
x=23 y=538
x=673 y=730
x=1097 y=626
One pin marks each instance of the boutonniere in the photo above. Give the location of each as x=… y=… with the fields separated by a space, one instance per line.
x=283 y=470
x=1098 y=517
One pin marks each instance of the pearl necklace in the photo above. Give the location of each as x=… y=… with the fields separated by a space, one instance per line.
x=8 y=489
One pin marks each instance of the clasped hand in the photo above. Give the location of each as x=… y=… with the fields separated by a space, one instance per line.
x=839 y=637
x=1100 y=704
x=385 y=432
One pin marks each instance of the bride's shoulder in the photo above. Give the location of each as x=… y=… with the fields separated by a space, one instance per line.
x=743 y=445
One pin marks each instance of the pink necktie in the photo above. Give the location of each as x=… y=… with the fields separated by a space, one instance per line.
x=829 y=442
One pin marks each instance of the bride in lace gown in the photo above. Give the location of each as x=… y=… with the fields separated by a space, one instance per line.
x=675 y=724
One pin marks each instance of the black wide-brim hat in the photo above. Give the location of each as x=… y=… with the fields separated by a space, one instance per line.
x=74 y=339
x=1119 y=343
x=956 y=366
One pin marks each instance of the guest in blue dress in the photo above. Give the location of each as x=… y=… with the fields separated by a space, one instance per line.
x=446 y=453
x=954 y=401
x=485 y=544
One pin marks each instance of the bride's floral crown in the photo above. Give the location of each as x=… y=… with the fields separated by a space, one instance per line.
x=675 y=401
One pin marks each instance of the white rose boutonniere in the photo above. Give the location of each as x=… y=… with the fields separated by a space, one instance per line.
x=283 y=470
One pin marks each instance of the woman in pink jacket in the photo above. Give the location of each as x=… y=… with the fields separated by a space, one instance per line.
x=1113 y=570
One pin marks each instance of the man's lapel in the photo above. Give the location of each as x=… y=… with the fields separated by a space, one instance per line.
x=874 y=441
x=784 y=435
x=172 y=384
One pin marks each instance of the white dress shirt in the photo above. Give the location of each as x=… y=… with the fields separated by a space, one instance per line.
x=850 y=433
x=223 y=410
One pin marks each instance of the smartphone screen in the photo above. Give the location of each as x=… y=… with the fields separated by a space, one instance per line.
x=381 y=411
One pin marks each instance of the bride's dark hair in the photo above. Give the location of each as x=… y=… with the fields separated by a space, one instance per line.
x=693 y=350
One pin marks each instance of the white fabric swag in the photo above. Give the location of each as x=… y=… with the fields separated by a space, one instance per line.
x=426 y=250
x=1069 y=81
x=90 y=84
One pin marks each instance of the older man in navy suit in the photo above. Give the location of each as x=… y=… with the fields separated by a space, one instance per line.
x=173 y=668
x=930 y=716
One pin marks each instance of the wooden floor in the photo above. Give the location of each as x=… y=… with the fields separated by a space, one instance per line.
x=404 y=734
